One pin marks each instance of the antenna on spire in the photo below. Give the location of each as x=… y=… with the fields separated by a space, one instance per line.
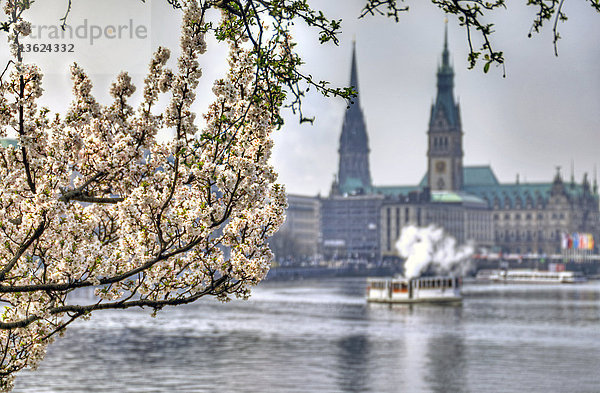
x=354 y=70
x=445 y=53
x=445 y=33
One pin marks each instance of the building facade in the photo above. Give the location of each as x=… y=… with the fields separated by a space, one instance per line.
x=468 y=202
x=466 y=218
x=350 y=227
x=299 y=236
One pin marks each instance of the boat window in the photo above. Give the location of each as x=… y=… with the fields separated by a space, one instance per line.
x=378 y=285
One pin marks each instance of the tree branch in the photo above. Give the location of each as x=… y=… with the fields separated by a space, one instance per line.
x=21 y=250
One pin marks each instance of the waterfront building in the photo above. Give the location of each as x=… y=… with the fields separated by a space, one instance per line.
x=468 y=202
x=350 y=226
x=298 y=237
x=465 y=217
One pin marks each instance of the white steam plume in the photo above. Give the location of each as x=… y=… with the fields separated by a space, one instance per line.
x=431 y=247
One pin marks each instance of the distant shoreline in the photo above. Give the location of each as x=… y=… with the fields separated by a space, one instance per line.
x=315 y=272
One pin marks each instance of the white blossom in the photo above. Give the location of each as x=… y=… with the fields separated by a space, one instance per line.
x=92 y=199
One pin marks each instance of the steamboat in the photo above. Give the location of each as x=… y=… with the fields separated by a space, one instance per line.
x=414 y=290
x=531 y=276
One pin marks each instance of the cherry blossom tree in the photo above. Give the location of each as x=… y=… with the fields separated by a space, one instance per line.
x=90 y=198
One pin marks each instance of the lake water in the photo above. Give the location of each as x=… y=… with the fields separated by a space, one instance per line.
x=321 y=336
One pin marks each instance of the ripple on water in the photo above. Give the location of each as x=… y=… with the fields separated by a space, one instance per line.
x=321 y=336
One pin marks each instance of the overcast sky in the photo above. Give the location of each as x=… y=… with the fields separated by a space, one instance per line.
x=544 y=114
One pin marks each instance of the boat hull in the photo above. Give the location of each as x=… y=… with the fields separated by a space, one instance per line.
x=441 y=300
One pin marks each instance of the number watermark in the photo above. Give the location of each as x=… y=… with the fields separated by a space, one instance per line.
x=48 y=48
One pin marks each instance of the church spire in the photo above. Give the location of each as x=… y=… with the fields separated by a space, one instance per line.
x=445 y=153
x=354 y=71
x=445 y=85
x=354 y=174
x=445 y=53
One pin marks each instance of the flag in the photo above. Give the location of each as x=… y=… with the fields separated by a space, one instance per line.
x=564 y=241
x=575 y=237
x=583 y=241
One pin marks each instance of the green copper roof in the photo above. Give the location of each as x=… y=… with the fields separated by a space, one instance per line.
x=353 y=184
x=446 y=197
x=509 y=195
x=455 y=197
x=482 y=186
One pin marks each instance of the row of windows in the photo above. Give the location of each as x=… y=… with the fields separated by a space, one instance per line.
x=529 y=216
x=378 y=285
x=519 y=250
x=518 y=205
x=421 y=283
x=441 y=142
x=436 y=283
x=527 y=235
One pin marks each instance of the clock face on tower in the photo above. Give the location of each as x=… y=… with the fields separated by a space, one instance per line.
x=440 y=167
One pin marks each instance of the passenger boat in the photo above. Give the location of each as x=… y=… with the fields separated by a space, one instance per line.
x=414 y=290
x=530 y=276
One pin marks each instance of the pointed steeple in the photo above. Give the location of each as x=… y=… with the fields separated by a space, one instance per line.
x=558 y=176
x=354 y=174
x=558 y=187
x=585 y=184
x=354 y=72
x=445 y=84
x=445 y=52
x=445 y=151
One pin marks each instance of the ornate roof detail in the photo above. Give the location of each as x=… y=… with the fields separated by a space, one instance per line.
x=444 y=104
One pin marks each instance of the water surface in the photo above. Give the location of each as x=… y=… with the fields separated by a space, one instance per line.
x=321 y=336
